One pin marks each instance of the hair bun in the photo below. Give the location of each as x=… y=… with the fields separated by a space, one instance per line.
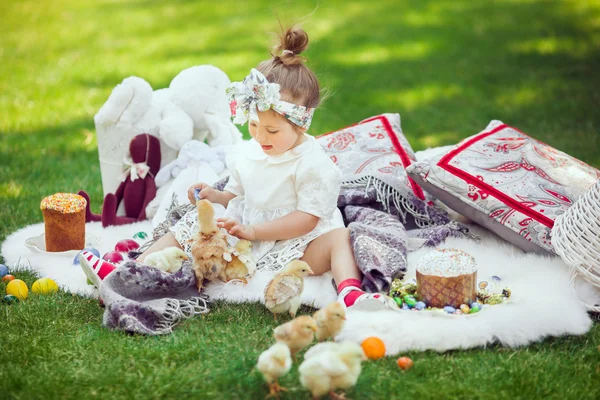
x=292 y=43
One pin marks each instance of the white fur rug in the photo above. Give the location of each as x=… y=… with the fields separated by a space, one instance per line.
x=543 y=301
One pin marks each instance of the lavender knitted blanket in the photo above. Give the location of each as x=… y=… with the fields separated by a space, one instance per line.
x=145 y=300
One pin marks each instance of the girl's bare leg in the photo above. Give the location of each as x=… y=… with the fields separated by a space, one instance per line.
x=332 y=251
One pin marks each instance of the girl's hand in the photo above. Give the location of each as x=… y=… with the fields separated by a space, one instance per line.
x=206 y=192
x=234 y=228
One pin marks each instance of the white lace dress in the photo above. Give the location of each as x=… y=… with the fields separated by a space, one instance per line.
x=270 y=187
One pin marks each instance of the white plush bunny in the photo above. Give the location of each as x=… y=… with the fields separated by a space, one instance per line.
x=196 y=162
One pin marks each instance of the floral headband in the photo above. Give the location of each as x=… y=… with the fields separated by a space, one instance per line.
x=255 y=92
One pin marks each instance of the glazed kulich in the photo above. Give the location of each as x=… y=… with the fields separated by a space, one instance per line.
x=64 y=221
x=447 y=277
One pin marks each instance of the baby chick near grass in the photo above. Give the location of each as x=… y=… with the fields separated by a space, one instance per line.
x=330 y=320
x=296 y=334
x=209 y=246
x=242 y=264
x=168 y=260
x=282 y=294
x=273 y=363
x=331 y=366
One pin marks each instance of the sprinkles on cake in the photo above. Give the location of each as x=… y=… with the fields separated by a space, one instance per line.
x=447 y=263
x=63 y=202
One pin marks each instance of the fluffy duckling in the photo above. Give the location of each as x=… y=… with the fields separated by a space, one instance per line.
x=168 y=260
x=297 y=333
x=282 y=294
x=273 y=363
x=330 y=320
x=209 y=246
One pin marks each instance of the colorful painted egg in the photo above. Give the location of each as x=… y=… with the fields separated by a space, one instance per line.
x=113 y=256
x=420 y=305
x=475 y=305
x=10 y=299
x=3 y=270
x=398 y=301
x=457 y=312
x=373 y=347
x=410 y=301
x=474 y=310
x=7 y=278
x=449 y=309
x=125 y=245
x=404 y=363
x=44 y=286
x=464 y=308
x=89 y=249
x=405 y=306
x=140 y=235
x=17 y=288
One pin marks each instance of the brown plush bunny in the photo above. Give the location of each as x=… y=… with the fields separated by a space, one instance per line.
x=137 y=188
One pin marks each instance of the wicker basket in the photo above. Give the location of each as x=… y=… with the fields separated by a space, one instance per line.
x=576 y=238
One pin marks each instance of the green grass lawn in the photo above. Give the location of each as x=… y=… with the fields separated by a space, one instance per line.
x=448 y=67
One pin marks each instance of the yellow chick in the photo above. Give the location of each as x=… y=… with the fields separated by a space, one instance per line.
x=297 y=333
x=168 y=260
x=209 y=245
x=282 y=294
x=330 y=321
x=242 y=264
x=273 y=363
x=332 y=367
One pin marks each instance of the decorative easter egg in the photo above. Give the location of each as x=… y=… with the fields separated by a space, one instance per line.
x=420 y=305
x=17 y=288
x=3 y=270
x=113 y=256
x=88 y=249
x=7 y=278
x=449 y=309
x=125 y=245
x=10 y=299
x=405 y=306
x=457 y=312
x=140 y=235
x=475 y=305
x=373 y=347
x=404 y=363
x=474 y=310
x=44 y=286
x=398 y=301
x=410 y=301
x=464 y=308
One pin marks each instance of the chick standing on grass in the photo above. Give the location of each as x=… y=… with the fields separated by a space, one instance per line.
x=273 y=363
x=331 y=367
x=330 y=321
x=242 y=264
x=297 y=333
x=282 y=294
x=209 y=246
x=168 y=260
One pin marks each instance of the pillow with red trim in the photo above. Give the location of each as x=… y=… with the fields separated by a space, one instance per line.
x=507 y=182
x=376 y=152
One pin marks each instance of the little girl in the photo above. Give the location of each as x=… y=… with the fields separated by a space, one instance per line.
x=283 y=189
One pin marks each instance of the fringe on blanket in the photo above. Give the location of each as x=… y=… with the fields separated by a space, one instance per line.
x=385 y=193
x=178 y=310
